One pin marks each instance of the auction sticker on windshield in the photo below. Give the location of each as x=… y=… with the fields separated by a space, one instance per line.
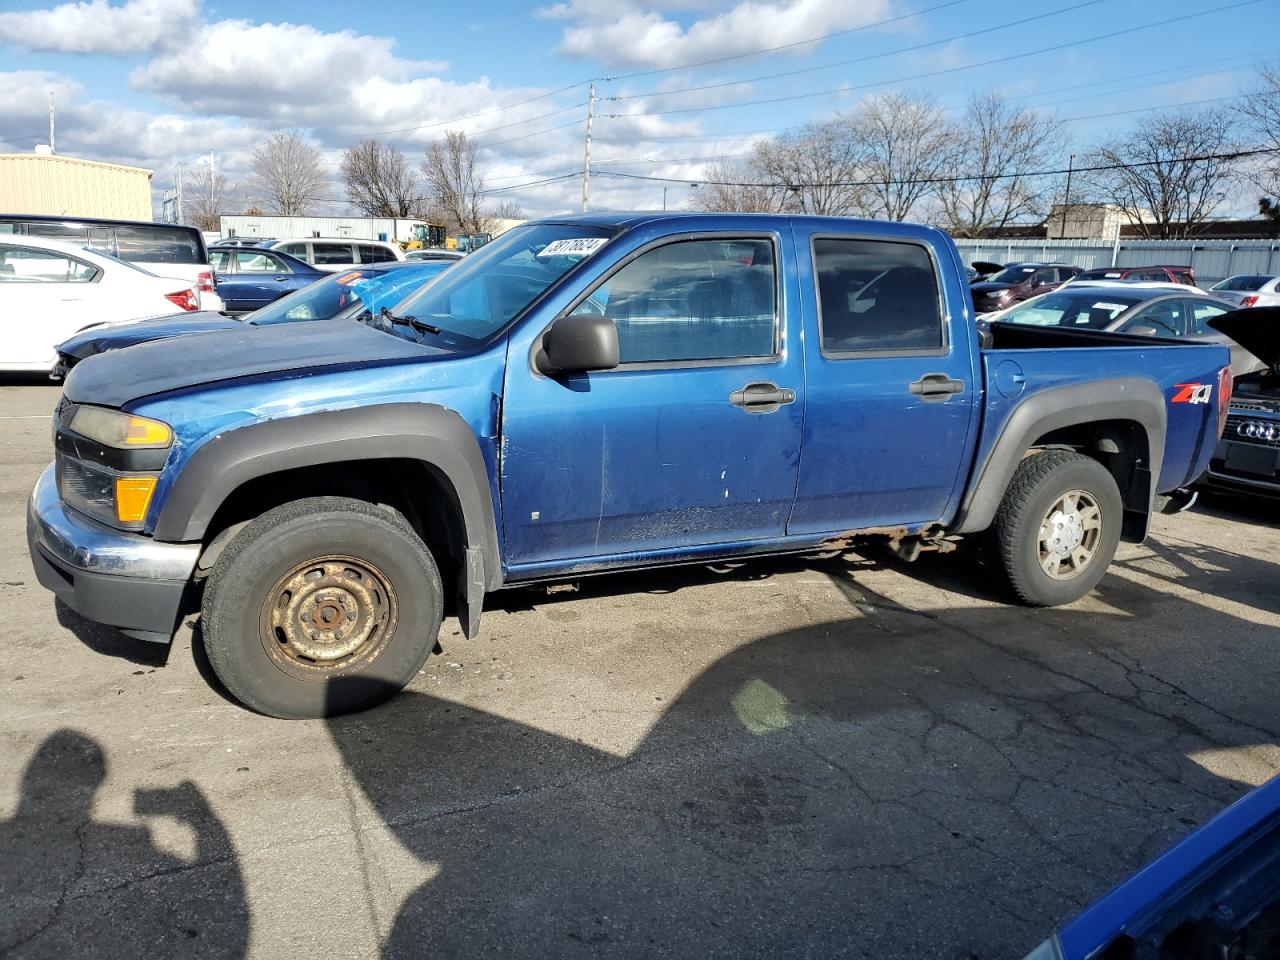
x=578 y=247
x=1114 y=308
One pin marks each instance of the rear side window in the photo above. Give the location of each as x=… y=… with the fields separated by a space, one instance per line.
x=876 y=296
x=32 y=265
x=158 y=244
x=693 y=300
x=295 y=250
x=332 y=253
x=372 y=253
x=220 y=260
x=1201 y=313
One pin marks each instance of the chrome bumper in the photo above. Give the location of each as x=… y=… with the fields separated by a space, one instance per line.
x=122 y=579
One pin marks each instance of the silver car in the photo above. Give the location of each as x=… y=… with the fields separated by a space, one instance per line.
x=1168 y=310
x=1249 y=290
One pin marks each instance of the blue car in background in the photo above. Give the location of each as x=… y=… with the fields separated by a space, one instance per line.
x=360 y=292
x=249 y=278
x=1216 y=894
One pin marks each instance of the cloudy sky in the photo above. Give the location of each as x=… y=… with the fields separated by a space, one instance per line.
x=162 y=82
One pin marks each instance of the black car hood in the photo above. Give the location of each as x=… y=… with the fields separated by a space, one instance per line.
x=986 y=267
x=990 y=286
x=118 y=376
x=99 y=339
x=1257 y=329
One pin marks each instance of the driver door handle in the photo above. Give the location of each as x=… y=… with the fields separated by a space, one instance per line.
x=937 y=387
x=762 y=397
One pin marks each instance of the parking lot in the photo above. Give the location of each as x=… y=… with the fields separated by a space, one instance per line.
x=826 y=757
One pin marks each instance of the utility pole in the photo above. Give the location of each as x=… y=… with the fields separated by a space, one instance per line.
x=178 y=212
x=53 y=145
x=211 y=200
x=664 y=199
x=1066 y=197
x=586 y=160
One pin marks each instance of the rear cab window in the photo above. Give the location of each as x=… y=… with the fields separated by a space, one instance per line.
x=877 y=297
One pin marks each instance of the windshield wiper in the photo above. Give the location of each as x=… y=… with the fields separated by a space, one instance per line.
x=386 y=314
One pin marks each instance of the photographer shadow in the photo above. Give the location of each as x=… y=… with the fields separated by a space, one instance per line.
x=73 y=886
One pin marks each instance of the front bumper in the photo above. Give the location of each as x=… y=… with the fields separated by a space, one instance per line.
x=125 y=580
x=1245 y=464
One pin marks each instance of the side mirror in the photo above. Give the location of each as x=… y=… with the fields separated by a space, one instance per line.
x=1143 y=331
x=578 y=343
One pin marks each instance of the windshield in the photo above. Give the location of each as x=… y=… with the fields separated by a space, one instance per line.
x=1067 y=307
x=1241 y=283
x=483 y=292
x=1012 y=275
x=349 y=293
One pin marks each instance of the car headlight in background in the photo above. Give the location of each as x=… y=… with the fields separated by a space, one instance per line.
x=124 y=431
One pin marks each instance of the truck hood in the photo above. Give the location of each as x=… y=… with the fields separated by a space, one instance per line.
x=104 y=337
x=116 y=377
x=1257 y=329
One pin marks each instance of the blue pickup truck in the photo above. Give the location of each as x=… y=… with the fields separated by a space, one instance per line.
x=590 y=394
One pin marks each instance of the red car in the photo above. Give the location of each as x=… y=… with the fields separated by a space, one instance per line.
x=1149 y=274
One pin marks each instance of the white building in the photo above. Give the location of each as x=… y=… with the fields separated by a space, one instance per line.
x=353 y=228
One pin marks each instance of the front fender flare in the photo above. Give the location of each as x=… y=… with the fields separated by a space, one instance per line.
x=429 y=433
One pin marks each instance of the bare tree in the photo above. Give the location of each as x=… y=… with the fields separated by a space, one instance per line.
x=456 y=187
x=999 y=146
x=508 y=210
x=1169 y=174
x=907 y=145
x=204 y=198
x=286 y=173
x=813 y=170
x=379 y=180
x=1259 y=112
x=733 y=186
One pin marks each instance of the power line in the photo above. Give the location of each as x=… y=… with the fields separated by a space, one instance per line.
x=784 y=46
x=866 y=58
x=470 y=116
x=1166 y=106
x=947 y=70
x=1233 y=155
x=526 y=136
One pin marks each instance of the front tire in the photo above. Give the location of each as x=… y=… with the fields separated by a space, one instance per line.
x=1058 y=527
x=320 y=607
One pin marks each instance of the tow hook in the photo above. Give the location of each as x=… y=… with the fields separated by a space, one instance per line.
x=1179 y=500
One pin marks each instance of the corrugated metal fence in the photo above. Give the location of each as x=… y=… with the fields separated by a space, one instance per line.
x=1213 y=260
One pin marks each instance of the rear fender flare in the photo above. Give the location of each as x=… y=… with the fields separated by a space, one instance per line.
x=1125 y=398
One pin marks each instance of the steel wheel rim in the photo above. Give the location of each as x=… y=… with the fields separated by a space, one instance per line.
x=327 y=617
x=1069 y=534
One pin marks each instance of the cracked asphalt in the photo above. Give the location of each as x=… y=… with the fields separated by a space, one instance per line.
x=793 y=758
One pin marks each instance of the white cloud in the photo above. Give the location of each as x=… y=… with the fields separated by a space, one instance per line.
x=641 y=38
x=98 y=27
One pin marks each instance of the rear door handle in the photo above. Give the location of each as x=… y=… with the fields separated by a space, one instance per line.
x=762 y=397
x=937 y=387
x=281 y=279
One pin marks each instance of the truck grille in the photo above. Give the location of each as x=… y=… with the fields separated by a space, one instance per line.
x=1255 y=430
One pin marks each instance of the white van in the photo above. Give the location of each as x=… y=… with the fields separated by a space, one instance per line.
x=334 y=256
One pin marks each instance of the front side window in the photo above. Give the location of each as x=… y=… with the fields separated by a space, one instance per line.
x=259 y=261
x=1047 y=275
x=1071 y=306
x=332 y=253
x=1015 y=274
x=693 y=300
x=1164 y=318
x=295 y=250
x=32 y=265
x=876 y=295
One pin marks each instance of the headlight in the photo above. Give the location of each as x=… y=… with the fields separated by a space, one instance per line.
x=115 y=498
x=124 y=431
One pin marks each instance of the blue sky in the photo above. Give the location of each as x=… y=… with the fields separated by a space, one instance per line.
x=162 y=82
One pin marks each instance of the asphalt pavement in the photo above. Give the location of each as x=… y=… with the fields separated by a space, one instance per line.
x=794 y=758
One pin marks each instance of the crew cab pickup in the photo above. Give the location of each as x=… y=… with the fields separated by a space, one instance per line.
x=590 y=394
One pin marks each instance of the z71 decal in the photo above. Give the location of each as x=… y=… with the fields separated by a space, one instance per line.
x=1192 y=393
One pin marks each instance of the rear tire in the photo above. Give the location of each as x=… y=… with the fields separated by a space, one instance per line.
x=1058 y=527
x=320 y=607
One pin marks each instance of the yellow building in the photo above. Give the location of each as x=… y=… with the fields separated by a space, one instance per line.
x=45 y=183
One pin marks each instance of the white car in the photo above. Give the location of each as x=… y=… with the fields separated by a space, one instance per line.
x=334 y=256
x=50 y=289
x=1249 y=290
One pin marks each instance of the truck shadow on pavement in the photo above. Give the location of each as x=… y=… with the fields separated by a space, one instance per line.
x=952 y=782
x=74 y=886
